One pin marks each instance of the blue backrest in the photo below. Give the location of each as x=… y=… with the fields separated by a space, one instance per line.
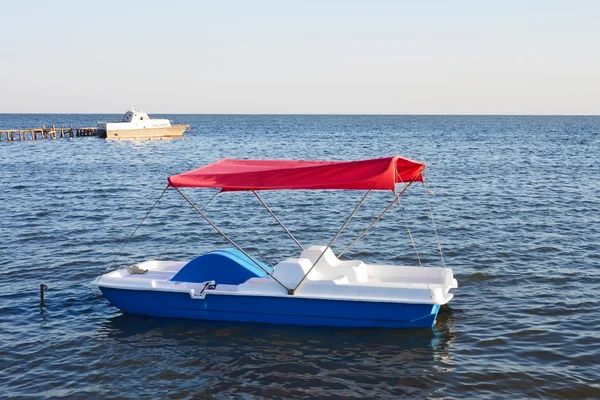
x=227 y=266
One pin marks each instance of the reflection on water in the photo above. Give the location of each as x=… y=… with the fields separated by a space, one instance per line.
x=126 y=327
x=232 y=359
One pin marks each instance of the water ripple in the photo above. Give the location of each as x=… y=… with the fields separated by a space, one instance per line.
x=517 y=204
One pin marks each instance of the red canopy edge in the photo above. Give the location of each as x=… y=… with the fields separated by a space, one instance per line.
x=238 y=175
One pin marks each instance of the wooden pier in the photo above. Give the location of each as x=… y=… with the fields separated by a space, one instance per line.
x=52 y=132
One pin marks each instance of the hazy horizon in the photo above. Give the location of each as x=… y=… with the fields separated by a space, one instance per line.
x=307 y=114
x=301 y=57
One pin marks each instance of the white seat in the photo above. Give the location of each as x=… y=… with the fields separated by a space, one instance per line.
x=330 y=267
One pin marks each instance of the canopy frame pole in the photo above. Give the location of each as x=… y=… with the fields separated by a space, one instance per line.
x=227 y=237
x=414 y=245
x=277 y=219
x=135 y=230
x=203 y=207
x=412 y=240
x=331 y=242
x=433 y=221
x=376 y=220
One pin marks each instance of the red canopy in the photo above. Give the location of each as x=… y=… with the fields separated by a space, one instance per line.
x=232 y=175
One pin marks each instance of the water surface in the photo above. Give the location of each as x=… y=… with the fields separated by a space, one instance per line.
x=516 y=201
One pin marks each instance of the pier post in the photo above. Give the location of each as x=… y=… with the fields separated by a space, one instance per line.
x=42 y=289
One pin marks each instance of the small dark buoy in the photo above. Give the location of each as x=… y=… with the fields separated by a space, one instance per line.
x=42 y=288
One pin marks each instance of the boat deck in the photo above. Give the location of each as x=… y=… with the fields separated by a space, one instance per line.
x=383 y=283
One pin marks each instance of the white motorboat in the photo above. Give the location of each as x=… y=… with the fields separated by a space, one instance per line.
x=137 y=125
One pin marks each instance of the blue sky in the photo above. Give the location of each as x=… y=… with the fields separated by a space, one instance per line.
x=297 y=57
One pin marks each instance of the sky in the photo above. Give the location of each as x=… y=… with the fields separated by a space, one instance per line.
x=301 y=57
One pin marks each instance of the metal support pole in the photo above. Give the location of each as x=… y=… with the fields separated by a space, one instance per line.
x=227 y=237
x=331 y=242
x=140 y=224
x=433 y=221
x=277 y=219
x=412 y=240
x=375 y=221
x=205 y=205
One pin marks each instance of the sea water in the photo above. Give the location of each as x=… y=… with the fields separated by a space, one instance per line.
x=516 y=203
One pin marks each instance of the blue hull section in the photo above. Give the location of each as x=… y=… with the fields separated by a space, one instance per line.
x=274 y=310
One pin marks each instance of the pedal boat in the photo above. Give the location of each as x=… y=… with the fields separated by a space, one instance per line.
x=316 y=288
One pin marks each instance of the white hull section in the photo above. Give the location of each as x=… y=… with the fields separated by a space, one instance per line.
x=143 y=133
x=330 y=279
x=137 y=125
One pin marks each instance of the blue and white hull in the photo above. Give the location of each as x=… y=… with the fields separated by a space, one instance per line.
x=339 y=293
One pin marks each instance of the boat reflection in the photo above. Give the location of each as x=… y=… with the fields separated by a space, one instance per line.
x=278 y=342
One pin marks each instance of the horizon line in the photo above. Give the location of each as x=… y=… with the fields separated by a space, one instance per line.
x=318 y=114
